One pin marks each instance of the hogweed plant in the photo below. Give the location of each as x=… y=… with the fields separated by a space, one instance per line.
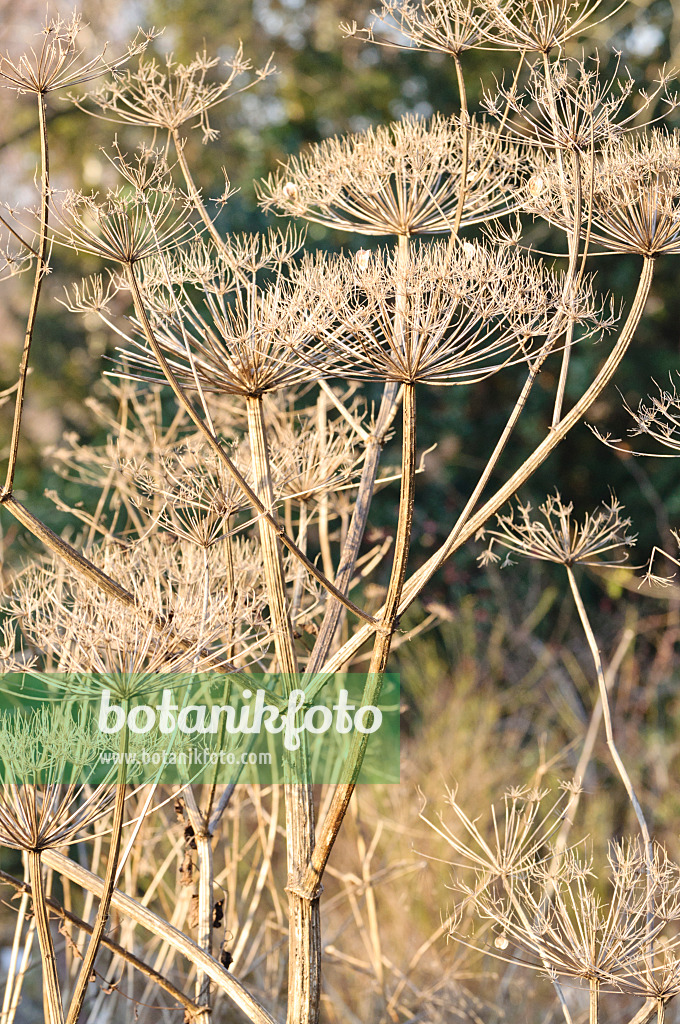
x=230 y=535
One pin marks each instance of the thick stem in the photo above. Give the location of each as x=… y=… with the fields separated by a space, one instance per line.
x=51 y=990
x=40 y=268
x=269 y=541
x=204 y=936
x=83 y=979
x=381 y=648
x=594 y=1001
x=146 y=918
x=114 y=947
x=304 y=928
x=356 y=530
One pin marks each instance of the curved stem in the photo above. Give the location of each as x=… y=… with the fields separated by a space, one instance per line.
x=146 y=918
x=467 y=525
x=606 y=714
x=194 y=193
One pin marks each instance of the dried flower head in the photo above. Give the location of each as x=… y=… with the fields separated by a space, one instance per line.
x=514 y=842
x=247 y=341
x=44 y=755
x=571 y=106
x=59 y=64
x=560 y=918
x=635 y=195
x=442 y=315
x=168 y=97
x=444 y=26
x=537 y=25
x=124 y=227
x=555 y=537
x=404 y=178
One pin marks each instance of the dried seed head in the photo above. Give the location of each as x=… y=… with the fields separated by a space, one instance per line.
x=402 y=178
x=635 y=185
x=555 y=537
x=167 y=98
x=443 y=315
x=59 y=63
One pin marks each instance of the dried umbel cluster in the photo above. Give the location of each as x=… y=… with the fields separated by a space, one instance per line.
x=550 y=908
x=632 y=187
x=554 y=537
x=232 y=521
x=401 y=179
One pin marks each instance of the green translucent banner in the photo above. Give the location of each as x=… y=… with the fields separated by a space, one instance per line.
x=197 y=728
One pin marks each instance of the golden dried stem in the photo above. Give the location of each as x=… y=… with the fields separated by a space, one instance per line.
x=51 y=991
x=463 y=530
x=40 y=268
x=83 y=979
x=129 y=907
x=381 y=648
x=304 y=928
x=357 y=527
x=113 y=947
x=594 y=1001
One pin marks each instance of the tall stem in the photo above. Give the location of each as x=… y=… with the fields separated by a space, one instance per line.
x=304 y=926
x=269 y=541
x=381 y=646
x=40 y=269
x=609 y=731
x=356 y=529
x=594 y=1001
x=465 y=156
x=51 y=990
x=215 y=445
x=83 y=980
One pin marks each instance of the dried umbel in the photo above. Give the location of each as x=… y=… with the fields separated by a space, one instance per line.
x=246 y=341
x=538 y=25
x=123 y=227
x=635 y=195
x=167 y=97
x=402 y=179
x=59 y=63
x=442 y=315
x=556 y=537
x=444 y=26
x=194 y=606
x=520 y=833
x=44 y=755
x=569 y=106
x=558 y=916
